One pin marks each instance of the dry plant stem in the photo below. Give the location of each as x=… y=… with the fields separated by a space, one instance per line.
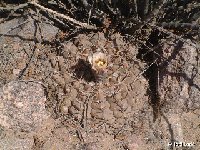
x=85 y=114
x=139 y=75
x=136 y=8
x=60 y=4
x=156 y=11
x=82 y=25
x=148 y=19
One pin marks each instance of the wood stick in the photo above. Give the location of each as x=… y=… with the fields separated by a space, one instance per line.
x=83 y=25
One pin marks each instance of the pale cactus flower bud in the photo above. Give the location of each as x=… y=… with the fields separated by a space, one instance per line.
x=98 y=61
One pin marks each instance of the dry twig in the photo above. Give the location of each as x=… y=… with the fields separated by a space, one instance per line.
x=83 y=25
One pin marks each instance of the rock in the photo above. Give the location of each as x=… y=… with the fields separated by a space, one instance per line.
x=22 y=106
x=180 y=84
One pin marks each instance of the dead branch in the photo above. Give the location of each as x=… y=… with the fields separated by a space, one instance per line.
x=82 y=25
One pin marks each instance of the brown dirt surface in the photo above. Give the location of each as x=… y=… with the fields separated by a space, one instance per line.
x=52 y=96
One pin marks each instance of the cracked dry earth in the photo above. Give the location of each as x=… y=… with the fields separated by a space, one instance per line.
x=50 y=98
